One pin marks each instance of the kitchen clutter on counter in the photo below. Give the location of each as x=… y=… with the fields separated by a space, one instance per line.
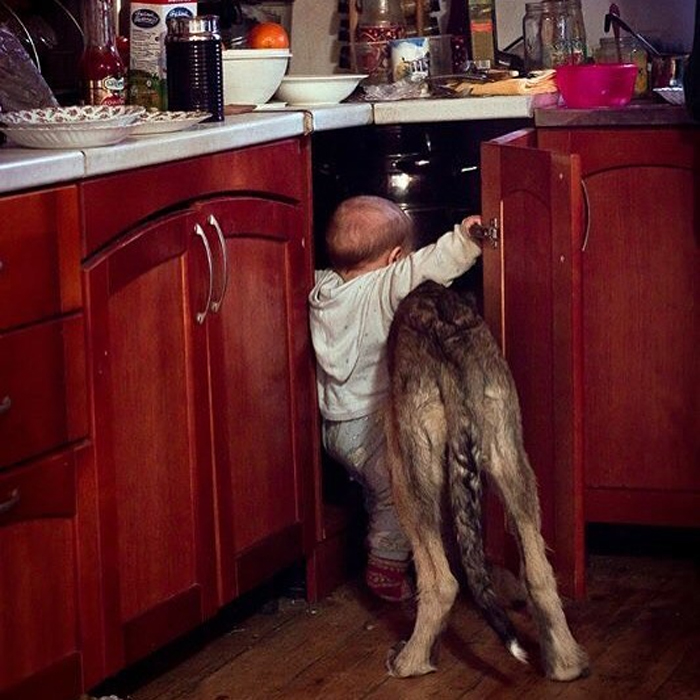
x=190 y=62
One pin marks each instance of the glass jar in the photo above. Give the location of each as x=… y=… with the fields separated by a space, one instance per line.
x=532 y=36
x=577 y=28
x=626 y=50
x=556 y=34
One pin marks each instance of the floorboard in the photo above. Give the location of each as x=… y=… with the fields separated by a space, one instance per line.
x=640 y=624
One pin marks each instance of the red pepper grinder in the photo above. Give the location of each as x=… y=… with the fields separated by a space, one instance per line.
x=102 y=69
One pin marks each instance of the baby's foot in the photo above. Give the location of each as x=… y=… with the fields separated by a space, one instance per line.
x=388 y=579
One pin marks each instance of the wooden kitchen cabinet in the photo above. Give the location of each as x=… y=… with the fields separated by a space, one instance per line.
x=593 y=294
x=261 y=385
x=203 y=386
x=150 y=414
x=50 y=629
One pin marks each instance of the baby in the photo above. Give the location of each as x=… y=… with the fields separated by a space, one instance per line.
x=369 y=243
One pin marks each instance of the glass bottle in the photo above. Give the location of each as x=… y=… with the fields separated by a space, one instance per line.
x=556 y=34
x=102 y=69
x=532 y=37
x=579 y=48
x=482 y=26
x=458 y=29
x=380 y=20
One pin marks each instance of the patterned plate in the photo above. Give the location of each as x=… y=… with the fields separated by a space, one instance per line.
x=64 y=136
x=164 y=122
x=75 y=116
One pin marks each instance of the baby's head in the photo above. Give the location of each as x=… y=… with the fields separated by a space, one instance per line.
x=365 y=229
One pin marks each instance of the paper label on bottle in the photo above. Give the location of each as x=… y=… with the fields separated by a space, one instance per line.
x=108 y=91
x=147 y=30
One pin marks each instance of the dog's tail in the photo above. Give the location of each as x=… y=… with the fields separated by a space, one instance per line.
x=465 y=488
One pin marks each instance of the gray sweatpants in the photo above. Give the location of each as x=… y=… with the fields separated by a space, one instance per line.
x=359 y=445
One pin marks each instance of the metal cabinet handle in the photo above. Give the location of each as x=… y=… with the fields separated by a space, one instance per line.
x=488 y=233
x=10 y=503
x=199 y=232
x=5 y=405
x=587 y=205
x=216 y=305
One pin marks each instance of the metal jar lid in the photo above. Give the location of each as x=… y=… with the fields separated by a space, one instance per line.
x=200 y=28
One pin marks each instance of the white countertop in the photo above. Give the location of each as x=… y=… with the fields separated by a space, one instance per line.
x=24 y=168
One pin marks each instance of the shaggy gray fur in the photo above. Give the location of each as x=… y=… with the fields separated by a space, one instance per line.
x=453 y=415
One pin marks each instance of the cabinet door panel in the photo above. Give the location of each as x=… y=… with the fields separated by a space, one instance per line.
x=40 y=613
x=531 y=302
x=42 y=388
x=258 y=369
x=640 y=285
x=39 y=255
x=157 y=527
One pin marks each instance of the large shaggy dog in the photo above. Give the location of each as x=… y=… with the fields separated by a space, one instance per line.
x=453 y=416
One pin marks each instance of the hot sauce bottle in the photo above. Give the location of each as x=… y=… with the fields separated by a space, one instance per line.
x=103 y=71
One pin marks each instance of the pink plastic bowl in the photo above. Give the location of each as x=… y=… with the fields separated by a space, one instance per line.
x=596 y=84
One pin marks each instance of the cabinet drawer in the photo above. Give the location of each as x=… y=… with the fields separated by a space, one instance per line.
x=39 y=256
x=114 y=203
x=39 y=615
x=42 y=388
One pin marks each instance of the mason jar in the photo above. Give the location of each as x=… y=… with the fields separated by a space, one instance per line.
x=626 y=50
x=532 y=37
x=556 y=34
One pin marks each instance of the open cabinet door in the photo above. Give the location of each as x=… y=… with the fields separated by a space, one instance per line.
x=532 y=305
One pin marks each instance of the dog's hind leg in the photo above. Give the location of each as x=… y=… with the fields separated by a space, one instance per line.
x=563 y=658
x=415 y=459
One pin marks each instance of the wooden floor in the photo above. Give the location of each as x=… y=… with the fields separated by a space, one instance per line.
x=640 y=624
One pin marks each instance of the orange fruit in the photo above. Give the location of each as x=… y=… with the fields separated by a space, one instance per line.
x=268 y=35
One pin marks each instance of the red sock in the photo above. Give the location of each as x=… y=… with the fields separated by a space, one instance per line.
x=388 y=579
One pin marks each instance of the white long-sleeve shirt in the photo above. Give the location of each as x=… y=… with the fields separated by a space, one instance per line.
x=350 y=322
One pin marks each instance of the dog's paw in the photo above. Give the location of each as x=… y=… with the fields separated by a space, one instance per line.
x=569 y=667
x=400 y=664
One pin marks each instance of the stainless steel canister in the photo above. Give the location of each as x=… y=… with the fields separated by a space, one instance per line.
x=194 y=65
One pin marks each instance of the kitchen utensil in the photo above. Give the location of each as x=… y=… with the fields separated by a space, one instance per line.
x=615 y=11
x=596 y=84
x=666 y=70
x=614 y=20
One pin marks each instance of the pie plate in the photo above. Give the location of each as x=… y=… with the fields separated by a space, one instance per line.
x=164 y=122
x=76 y=117
x=58 y=136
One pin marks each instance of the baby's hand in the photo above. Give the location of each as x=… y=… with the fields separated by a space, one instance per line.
x=467 y=223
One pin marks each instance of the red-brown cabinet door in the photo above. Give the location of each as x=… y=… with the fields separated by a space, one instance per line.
x=640 y=323
x=148 y=365
x=261 y=384
x=532 y=304
x=49 y=592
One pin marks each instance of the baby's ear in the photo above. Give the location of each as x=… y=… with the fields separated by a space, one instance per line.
x=395 y=254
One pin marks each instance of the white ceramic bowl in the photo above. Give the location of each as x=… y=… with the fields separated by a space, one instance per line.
x=251 y=76
x=317 y=89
